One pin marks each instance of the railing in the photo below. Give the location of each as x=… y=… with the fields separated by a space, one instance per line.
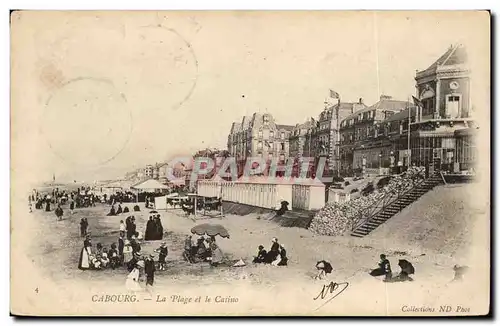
x=387 y=200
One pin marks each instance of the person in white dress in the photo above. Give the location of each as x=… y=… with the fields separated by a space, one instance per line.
x=132 y=283
x=127 y=252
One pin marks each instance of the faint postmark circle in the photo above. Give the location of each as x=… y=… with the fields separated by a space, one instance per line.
x=86 y=122
x=174 y=59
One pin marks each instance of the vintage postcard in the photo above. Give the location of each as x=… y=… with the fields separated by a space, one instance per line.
x=250 y=163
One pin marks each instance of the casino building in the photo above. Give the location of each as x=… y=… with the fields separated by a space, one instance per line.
x=442 y=130
x=439 y=132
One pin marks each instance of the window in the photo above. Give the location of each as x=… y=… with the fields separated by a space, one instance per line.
x=259 y=145
x=282 y=146
x=282 y=135
x=453 y=106
x=282 y=157
x=260 y=133
x=271 y=134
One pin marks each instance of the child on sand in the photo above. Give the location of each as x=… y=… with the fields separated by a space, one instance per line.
x=163 y=251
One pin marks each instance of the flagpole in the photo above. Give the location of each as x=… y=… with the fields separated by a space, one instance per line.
x=409 y=130
x=337 y=141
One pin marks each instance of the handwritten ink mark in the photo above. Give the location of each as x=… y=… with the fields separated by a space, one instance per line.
x=334 y=289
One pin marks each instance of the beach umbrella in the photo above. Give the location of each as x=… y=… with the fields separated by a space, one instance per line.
x=210 y=230
x=406 y=266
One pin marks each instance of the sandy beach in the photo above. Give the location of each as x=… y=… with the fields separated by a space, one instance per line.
x=54 y=248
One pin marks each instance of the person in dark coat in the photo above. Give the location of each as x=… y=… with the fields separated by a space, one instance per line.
x=83 y=226
x=121 y=245
x=125 y=210
x=47 y=205
x=261 y=255
x=273 y=252
x=283 y=208
x=132 y=262
x=131 y=227
x=114 y=258
x=158 y=228
x=137 y=208
x=112 y=211
x=119 y=210
x=384 y=268
x=163 y=251
x=136 y=247
x=284 y=258
x=150 y=228
x=149 y=270
x=59 y=212
x=188 y=247
x=323 y=268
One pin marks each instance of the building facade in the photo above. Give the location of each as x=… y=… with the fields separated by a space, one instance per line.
x=363 y=136
x=298 y=138
x=259 y=136
x=438 y=133
x=444 y=92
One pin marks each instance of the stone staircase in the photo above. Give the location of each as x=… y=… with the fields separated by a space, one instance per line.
x=396 y=206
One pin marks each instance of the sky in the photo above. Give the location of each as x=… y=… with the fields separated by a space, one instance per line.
x=97 y=94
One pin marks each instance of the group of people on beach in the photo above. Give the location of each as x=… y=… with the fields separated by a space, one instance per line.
x=154 y=228
x=276 y=256
x=117 y=211
x=203 y=249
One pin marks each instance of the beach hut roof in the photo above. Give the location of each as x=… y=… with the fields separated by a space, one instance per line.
x=149 y=184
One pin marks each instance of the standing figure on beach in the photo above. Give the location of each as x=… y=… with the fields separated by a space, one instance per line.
x=84 y=261
x=158 y=228
x=131 y=227
x=114 y=258
x=84 y=224
x=149 y=270
x=149 y=235
x=132 y=282
x=127 y=252
x=72 y=206
x=59 y=212
x=163 y=251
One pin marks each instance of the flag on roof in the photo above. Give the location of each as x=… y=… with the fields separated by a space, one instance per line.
x=417 y=102
x=334 y=94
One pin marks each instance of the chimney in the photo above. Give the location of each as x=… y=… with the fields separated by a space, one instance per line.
x=360 y=100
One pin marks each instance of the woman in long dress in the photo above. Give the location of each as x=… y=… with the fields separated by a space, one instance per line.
x=84 y=262
x=132 y=282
